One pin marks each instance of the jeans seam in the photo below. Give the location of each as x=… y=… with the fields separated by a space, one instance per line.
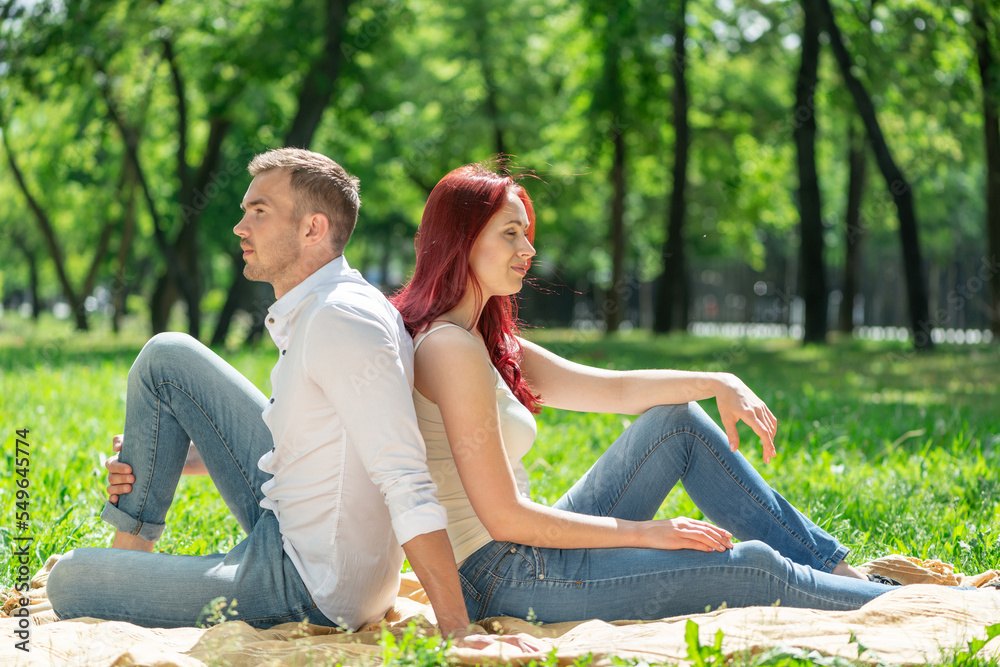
x=534 y=570
x=152 y=465
x=757 y=500
x=271 y=617
x=488 y=594
x=215 y=428
x=722 y=463
x=485 y=567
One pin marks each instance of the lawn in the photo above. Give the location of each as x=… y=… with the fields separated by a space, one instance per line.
x=891 y=451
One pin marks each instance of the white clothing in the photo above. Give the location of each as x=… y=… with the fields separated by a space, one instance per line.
x=517 y=428
x=350 y=480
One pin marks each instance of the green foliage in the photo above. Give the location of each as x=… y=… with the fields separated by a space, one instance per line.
x=969 y=657
x=415 y=648
x=426 y=86
x=703 y=656
x=217 y=611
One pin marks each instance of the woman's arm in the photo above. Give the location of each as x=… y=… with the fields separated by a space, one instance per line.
x=453 y=370
x=571 y=386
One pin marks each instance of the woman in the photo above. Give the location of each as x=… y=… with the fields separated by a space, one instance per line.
x=597 y=553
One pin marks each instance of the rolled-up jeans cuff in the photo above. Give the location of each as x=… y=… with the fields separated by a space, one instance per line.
x=129 y=524
x=839 y=555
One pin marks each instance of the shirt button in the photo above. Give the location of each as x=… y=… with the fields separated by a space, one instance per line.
x=272 y=400
x=283 y=352
x=270 y=320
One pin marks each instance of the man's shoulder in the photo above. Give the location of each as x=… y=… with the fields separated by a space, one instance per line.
x=353 y=301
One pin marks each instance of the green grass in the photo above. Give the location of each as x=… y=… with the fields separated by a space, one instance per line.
x=892 y=452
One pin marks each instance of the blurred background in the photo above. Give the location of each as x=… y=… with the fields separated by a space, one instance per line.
x=748 y=168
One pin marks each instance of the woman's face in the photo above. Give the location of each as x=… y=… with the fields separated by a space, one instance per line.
x=501 y=254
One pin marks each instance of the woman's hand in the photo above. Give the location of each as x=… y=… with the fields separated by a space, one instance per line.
x=684 y=533
x=737 y=402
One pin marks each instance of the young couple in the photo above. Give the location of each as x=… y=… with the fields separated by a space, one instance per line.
x=333 y=485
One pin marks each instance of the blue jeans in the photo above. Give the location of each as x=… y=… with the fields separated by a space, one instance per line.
x=179 y=392
x=782 y=557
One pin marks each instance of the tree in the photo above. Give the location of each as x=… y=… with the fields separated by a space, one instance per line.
x=672 y=299
x=313 y=99
x=985 y=28
x=813 y=270
x=853 y=233
x=899 y=187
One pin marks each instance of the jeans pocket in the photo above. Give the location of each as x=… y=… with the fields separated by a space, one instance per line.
x=517 y=564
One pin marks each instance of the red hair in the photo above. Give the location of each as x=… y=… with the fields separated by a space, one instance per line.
x=457 y=210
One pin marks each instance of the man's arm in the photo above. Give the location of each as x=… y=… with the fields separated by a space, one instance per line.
x=433 y=561
x=120 y=477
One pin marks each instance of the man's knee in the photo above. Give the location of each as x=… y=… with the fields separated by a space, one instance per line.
x=164 y=350
x=60 y=581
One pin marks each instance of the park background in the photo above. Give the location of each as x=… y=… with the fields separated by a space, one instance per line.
x=816 y=165
x=803 y=193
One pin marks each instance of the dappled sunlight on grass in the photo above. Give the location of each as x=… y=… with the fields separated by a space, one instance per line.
x=894 y=452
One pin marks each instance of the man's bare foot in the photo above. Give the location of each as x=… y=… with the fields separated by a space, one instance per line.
x=132 y=542
x=845 y=570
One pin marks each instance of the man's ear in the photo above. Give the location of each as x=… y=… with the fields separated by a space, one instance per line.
x=317 y=229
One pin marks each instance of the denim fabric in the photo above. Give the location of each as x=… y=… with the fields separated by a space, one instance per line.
x=782 y=557
x=179 y=391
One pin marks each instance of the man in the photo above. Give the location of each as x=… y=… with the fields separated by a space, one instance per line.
x=327 y=485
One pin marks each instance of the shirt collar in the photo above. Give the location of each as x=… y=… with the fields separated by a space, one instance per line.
x=281 y=310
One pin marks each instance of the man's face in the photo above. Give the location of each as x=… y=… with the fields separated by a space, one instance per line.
x=268 y=231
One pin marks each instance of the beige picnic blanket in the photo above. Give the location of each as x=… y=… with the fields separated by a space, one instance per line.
x=916 y=624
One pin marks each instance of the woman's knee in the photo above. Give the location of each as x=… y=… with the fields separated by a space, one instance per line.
x=759 y=555
x=677 y=418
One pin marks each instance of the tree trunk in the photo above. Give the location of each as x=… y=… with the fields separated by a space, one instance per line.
x=317 y=89
x=672 y=298
x=29 y=256
x=51 y=243
x=614 y=302
x=489 y=81
x=119 y=289
x=187 y=243
x=236 y=296
x=322 y=77
x=854 y=233
x=990 y=76
x=813 y=280
x=899 y=188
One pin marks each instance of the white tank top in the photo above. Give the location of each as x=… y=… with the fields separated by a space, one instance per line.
x=518 y=429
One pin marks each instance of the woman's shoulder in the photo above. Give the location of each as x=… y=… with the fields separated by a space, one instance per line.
x=449 y=355
x=447 y=342
x=441 y=333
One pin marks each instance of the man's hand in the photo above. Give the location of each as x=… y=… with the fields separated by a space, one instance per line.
x=737 y=402
x=120 y=477
x=494 y=644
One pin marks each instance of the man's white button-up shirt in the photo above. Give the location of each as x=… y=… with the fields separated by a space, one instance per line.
x=350 y=478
